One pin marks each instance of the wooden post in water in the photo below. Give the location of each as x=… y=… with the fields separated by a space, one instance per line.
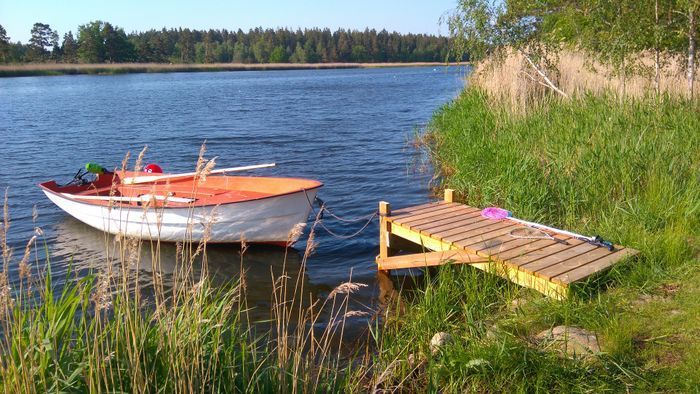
x=384 y=231
x=449 y=195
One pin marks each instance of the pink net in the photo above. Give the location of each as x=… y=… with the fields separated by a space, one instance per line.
x=495 y=213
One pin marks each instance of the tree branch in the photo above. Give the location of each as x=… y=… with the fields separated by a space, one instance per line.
x=549 y=83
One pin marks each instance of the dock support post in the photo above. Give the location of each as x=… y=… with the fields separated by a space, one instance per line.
x=384 y=230
x=449 y=195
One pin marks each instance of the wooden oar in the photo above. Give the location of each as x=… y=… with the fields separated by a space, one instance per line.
x=142 y=198
x=156 y=178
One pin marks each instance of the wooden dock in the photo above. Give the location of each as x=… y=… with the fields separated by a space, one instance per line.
x=457 y=233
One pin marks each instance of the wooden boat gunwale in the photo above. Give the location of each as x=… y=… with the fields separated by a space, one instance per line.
x=54 y=188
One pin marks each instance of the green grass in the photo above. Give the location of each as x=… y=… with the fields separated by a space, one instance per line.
x=109 y=332
x=90 y=339
x=629 y=171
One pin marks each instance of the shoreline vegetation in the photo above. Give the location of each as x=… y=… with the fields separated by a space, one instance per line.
x=579 y=163
x=608 y=146
x=101 y=42
x=48 y=69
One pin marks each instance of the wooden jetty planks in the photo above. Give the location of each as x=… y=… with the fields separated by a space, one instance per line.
x=575 y=262
x=500 y=245
x=420 y=260
x=594 y=267
x=452 y=230
x=525 y=249
x=405 y=210
x=423 y=210
x=557 y=258
x=485 y=233
x=452 y=222
x=470 y=230
x=446 y=214
x=445 y=230
x=448 y=211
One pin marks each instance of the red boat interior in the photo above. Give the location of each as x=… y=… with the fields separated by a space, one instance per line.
x=181 y=191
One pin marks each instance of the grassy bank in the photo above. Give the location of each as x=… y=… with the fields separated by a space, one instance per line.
x=627 y=169
x=112 y=332
x=44 y=69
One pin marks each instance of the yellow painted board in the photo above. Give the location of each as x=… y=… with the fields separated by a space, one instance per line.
x=420 y=239
x=421 y=260
x=554 y=290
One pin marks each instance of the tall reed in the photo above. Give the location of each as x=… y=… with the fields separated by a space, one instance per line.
x=107 y=332
x=512 y=80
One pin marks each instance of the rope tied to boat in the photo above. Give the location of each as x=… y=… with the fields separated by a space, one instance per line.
x=323 y=210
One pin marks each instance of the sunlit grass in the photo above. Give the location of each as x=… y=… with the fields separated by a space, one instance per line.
x=629 y=171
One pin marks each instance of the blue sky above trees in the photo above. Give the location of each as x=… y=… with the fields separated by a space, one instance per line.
x=408 y=16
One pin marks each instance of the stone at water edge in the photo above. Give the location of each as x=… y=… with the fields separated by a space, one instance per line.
x=571 y=341
x=439 y=340
x=517 y=303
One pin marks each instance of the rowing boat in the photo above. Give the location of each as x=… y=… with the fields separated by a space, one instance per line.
x=175 y=208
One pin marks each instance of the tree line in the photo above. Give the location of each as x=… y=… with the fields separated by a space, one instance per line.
x=622 y=34
x=102 y=42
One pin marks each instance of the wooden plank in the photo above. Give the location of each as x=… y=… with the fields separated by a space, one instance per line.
x=443 y=218
x=470 y=230
x=455 y=213
x=484 y=233
x=449 y=195
x=420 y=239
x=557 y=258
x=575 y=262
x=450 y=223
x=434 y=207
x=415 y=207
x=554 y=290
x=528 y=248
x=544 y=252
x=557 y=291
x=498 y=245
x=447 y=210
x=421 y=260
x=594 y=267
x=384 y=211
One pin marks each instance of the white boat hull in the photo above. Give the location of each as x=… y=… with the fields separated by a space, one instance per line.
x=276 y=219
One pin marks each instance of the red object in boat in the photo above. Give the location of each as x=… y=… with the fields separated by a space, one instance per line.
x=153 y=169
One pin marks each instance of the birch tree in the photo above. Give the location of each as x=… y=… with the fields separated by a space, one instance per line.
x=488 y=28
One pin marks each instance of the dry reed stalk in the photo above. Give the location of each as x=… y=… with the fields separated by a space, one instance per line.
x=25 y=271
x=139 y=159
x=4 y=228
x=200 y=158
x=206 y=170
x=125 y=165
x=512 y=81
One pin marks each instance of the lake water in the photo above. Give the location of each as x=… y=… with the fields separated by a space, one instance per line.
x=351 y=129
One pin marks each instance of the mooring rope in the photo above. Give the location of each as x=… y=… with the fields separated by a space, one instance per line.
x=324 y=210
x=348 y=236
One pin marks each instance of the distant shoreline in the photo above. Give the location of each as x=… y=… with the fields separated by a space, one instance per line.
x=44 y=69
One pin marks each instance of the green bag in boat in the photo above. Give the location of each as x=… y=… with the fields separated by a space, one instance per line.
x=95 y=168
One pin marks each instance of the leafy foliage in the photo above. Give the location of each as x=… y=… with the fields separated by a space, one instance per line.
x=99 y=42
x=612 y=32
x=42 y=37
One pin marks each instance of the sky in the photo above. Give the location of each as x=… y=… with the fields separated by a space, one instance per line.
x=407 y=16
